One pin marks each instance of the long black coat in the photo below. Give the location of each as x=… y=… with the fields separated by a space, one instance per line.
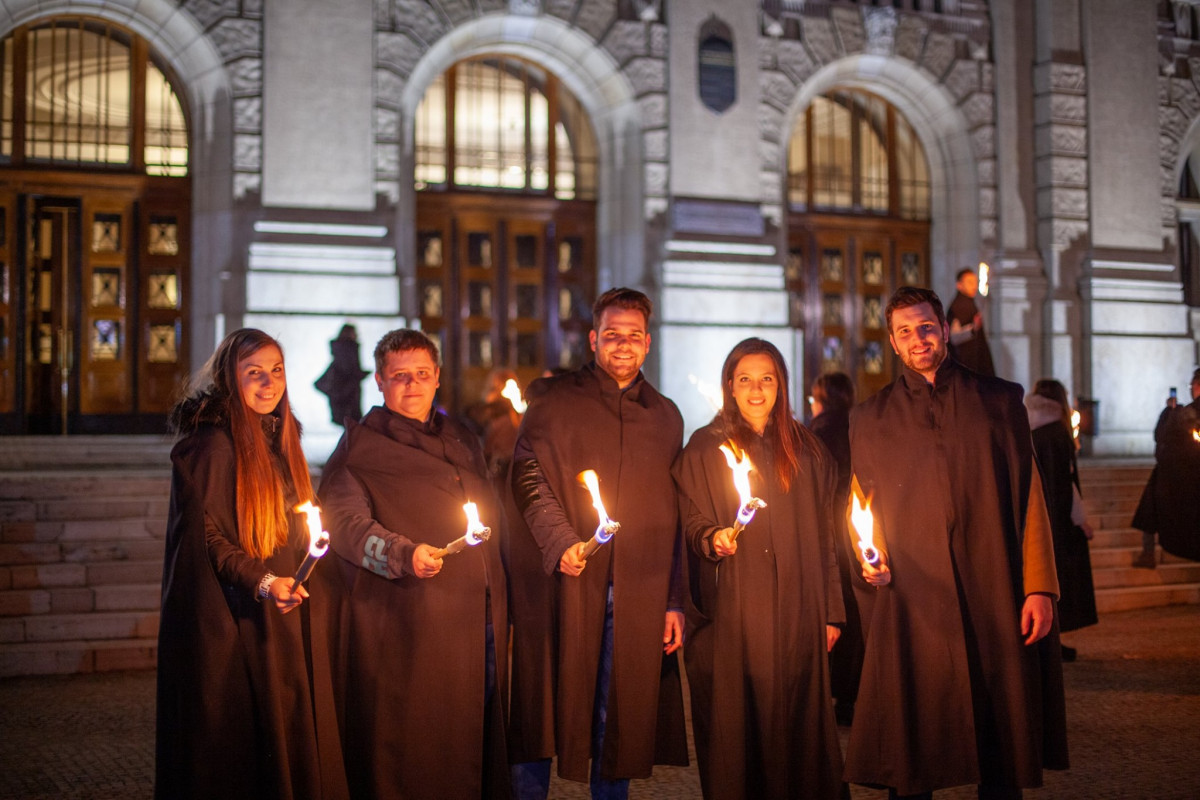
x=417 y=721
x=974 y=353
x=575 y=422
x=245 y=697
x=950 y=694
x=755 y=654
x=1168 y=504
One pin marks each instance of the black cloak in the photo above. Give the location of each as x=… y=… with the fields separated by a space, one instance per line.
x=417 y=719
x=245 y=697
x=579 y=421
x=950 y=694
x=756 y=658
x=1168 y=504
x=342 y=381
x=973 y=353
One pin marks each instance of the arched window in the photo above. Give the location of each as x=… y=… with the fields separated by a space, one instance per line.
x=83 y=93
x=851 y=152
x=503 y=123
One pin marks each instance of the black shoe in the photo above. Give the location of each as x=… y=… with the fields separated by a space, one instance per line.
x=1069 y=653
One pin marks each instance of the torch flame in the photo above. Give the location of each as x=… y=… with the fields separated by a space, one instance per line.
x=1196 y=434
x=1075 y=418
x=318 y=539
x=588 y=478
x=476 y=530
x=864 y=524
x=983 y=278
x=512 y=393
x=740 y=464
x=709 y=392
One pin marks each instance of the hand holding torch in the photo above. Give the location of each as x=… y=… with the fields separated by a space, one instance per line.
x=476 y=532
x=606 y=527
x=318 y=542
x=739 y=464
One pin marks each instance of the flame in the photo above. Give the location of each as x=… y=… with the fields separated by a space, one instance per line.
x=1196 y=434
x=475 y=527
x=864 y=522
x=588 y=478
x=512 y=393
x=983 y=278
x=740 y=464
x=318 y=539
x=710 y=393
x=1075 y=418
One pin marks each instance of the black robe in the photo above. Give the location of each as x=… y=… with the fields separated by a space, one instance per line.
x=756 y=658
x=417 y=720
x=973 y=353
x=342 y=381
x=1168 y=505
x=245 y=697
x=579 y=421
x=1055 y=450
x=950 y=694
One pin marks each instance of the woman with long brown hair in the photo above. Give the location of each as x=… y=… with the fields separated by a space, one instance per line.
x=765 y=607
x=245 y=706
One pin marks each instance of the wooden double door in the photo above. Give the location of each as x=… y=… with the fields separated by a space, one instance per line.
x=841 y=271
x=504 y=283
x=93 y=313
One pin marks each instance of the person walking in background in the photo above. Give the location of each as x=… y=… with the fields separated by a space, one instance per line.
x=1054 y=446
x=245 y=695
x=832 y=397
x=968 y=342
x=1168 y=506
x=766 y=608
x=342 y=381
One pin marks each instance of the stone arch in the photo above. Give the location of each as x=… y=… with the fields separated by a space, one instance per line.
x=943 y=132
x=178 y=39
x=594 y=77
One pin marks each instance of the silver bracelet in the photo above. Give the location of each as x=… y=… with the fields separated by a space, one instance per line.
x=264 y=586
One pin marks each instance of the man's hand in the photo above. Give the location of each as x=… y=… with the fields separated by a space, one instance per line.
x=673 y=632
x=285 y=599
x=877 y=576
x=832 y=634
x=1037 y=615
x=723 y=543
x=424 y=564
x=572 y=562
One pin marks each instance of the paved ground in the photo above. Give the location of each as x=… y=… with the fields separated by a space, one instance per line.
x=1133 y=705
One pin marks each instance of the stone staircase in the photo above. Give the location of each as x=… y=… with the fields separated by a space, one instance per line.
x=82 y=521
x=1111 y=490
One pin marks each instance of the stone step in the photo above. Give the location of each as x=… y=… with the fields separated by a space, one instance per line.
x=1106 y=557
x=65 y=658
x=94 y=574
x=1128 y=598
x=1164 y=574
x=1116 y=537
x=81 y=599
x=81 y=626
x=65 y=452
x=1096 y=504
x=143 y=549
x=78 y=484
x=83 y=531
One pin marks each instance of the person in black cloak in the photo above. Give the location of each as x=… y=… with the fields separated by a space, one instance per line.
x=1168 y=505
x=831 y=399
x=245 y=694
x=342 y=381
x=968 y=342
x=595 y=675
x=962 y=672
x=766 y=607
x=1054 y=445
x=423 y=674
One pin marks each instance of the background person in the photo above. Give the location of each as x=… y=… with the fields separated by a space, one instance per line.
x=342 y=381
x=968 y=341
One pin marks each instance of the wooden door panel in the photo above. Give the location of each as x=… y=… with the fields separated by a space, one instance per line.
x=9 y=294
x=163 y=296
x=106 y=341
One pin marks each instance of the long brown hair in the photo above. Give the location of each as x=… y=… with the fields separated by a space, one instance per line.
x=1053 y=390
x=782 y=431
x=214 y=397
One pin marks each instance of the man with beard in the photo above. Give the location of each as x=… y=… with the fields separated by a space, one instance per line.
x=968 y=342
x=962 y=679
x=590 y=677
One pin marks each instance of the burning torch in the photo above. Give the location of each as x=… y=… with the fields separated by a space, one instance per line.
x=739 y=464
x=864 y=525
x=476 y=532
x=318 y=542
x=512 y=393
x=605 y=527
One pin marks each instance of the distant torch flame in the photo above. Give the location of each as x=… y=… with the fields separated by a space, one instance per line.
x=864 y=525
x=1075 y=418
x=1196 y=434
x=512 y=393
x=740 y=465
x=318 y=539
x=984 y=269
x=709 y=392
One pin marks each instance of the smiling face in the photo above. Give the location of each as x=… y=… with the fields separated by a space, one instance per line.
x=968 y=284
x=409 y=380
x=755 y=387
x=261 y=379
x=919 y=339
x=620 y=343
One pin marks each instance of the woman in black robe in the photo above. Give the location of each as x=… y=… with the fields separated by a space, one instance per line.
x=245 y=706
x=1054 y=447
x=342 y=381
x=765 y=608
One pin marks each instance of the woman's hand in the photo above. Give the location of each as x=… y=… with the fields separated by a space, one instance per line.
x=285 y=599
x=876 y=576
x=723 y=543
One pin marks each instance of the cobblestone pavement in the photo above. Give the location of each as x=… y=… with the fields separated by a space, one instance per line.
x=1133 y=707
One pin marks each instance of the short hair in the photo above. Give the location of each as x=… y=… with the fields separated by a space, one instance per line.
x=834 y=390
x=962 y=272
x=623 y=298
x=907 y=296
x=404 y=339
x=1196 y=376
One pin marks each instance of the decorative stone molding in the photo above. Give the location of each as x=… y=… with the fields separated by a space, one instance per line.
x=880 y=26
x=524 y=8
x=848 y=25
